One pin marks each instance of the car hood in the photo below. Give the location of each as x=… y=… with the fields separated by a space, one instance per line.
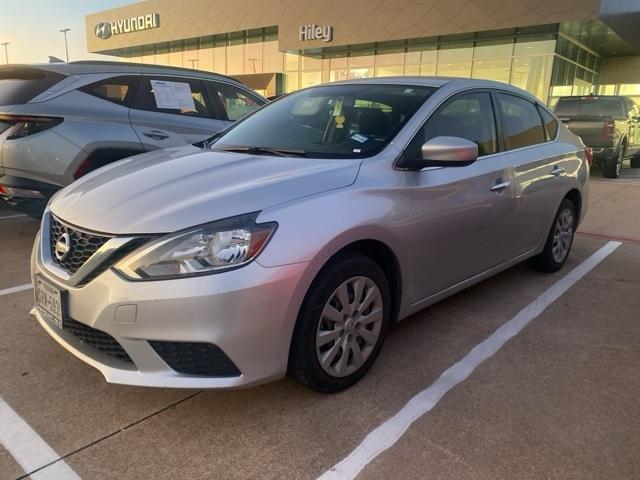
x=168 y=190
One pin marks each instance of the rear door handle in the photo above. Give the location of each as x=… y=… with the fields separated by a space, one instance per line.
x=556 y=171
x=155 y=134
x=499 y=187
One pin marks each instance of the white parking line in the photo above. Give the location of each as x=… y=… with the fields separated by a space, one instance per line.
x=29 y=450
x=7 y=217
x=17 y=289
x=384 y=436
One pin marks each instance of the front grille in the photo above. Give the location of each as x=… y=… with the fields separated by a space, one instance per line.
x=97 y=339
x=203 y=359
x=82 y=245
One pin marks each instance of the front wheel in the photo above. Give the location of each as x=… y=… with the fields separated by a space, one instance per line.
x=341 y=325
x=559 y=241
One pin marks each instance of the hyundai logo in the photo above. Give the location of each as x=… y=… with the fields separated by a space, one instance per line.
x=103 y=30
x=62 y=246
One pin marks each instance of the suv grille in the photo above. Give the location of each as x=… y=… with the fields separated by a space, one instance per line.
x=82 y=245
x=196 y=358
x=97 y=339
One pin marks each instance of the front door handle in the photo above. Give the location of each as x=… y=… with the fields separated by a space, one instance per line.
x=155 y=134
x=500 y=187
x=556 y=171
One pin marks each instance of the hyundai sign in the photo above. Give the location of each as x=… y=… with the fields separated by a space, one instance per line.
x=105 y=30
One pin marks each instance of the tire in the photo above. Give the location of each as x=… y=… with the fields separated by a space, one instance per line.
x=557 y=249
x=635 y=161
x=322 y=315
x=613 y=166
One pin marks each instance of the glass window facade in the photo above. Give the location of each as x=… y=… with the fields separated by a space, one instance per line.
x=575 y=70
x=545 y=62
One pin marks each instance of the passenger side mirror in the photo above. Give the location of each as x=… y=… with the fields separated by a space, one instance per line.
x=443 y=152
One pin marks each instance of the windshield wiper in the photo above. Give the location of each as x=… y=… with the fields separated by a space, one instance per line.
x=281 y=152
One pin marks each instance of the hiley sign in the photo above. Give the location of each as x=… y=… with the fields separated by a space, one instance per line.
x=315 y=32
x=105 y=30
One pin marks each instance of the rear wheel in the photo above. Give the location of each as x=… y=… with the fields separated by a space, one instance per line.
x=559 y=241
x=342 y=324
x=613 y=166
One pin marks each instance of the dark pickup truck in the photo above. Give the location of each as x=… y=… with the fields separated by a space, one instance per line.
x=609 y=124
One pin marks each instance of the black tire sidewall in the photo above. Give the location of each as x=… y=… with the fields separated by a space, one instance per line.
x=610 y=168
x=545 y=260
x=304 y=365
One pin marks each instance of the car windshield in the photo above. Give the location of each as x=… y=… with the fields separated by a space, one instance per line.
x=589 y=107
x=332 y=121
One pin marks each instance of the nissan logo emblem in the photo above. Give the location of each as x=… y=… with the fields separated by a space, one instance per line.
x=103 y=30
x=62 y=246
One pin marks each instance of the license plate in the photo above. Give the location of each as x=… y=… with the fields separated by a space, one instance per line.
x=50 y=301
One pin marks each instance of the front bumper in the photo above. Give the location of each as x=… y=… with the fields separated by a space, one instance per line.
x=248 y=313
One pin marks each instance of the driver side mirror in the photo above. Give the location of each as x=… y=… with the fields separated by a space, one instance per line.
x=443 y=152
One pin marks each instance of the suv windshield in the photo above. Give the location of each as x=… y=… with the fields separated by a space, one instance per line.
x=590 y=107
x=333 y=121
x=18 y=85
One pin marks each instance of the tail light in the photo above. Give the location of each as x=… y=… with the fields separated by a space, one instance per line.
x=608 y=129
x=588 y=155
x=21 y=126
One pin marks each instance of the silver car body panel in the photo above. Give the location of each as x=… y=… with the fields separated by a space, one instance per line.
x=447 y=227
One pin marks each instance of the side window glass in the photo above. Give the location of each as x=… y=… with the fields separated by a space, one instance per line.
x=119 y=90
x=468 y=116
x=550 y=124
x=234 y=102
x=521 y=120
x=178 y=96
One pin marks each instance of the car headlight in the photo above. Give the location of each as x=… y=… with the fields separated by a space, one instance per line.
x=202 y=250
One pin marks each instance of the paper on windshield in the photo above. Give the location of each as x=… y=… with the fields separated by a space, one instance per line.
x=174 y=95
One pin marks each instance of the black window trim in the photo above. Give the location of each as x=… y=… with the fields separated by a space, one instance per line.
x=542 y=108
x=130 y=95
x=536 y=104
x=496 y=119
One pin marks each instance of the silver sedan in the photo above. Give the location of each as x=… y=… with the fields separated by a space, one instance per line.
x=291 y=242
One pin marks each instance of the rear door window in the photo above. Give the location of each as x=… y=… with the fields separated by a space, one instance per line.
x=522 y=124
x=120 y=90
x=233 y=102
x=174 y=95
x=18 y=85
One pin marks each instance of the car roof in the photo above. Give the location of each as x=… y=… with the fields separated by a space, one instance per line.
x=455 y=82
x=97 y=66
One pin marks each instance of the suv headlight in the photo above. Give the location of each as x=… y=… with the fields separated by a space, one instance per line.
x=202 y=250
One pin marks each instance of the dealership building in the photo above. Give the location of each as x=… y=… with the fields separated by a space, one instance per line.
x=548 y=47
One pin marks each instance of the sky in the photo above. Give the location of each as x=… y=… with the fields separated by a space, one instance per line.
x=32 y=28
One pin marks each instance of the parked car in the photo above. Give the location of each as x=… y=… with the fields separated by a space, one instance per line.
x=60 y=121
x=304 y=232
x=606 y=123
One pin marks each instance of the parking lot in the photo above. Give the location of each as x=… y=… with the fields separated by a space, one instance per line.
x=557 y=400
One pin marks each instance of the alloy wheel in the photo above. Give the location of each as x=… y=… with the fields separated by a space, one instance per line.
x=349 y=327
x=562 y=235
